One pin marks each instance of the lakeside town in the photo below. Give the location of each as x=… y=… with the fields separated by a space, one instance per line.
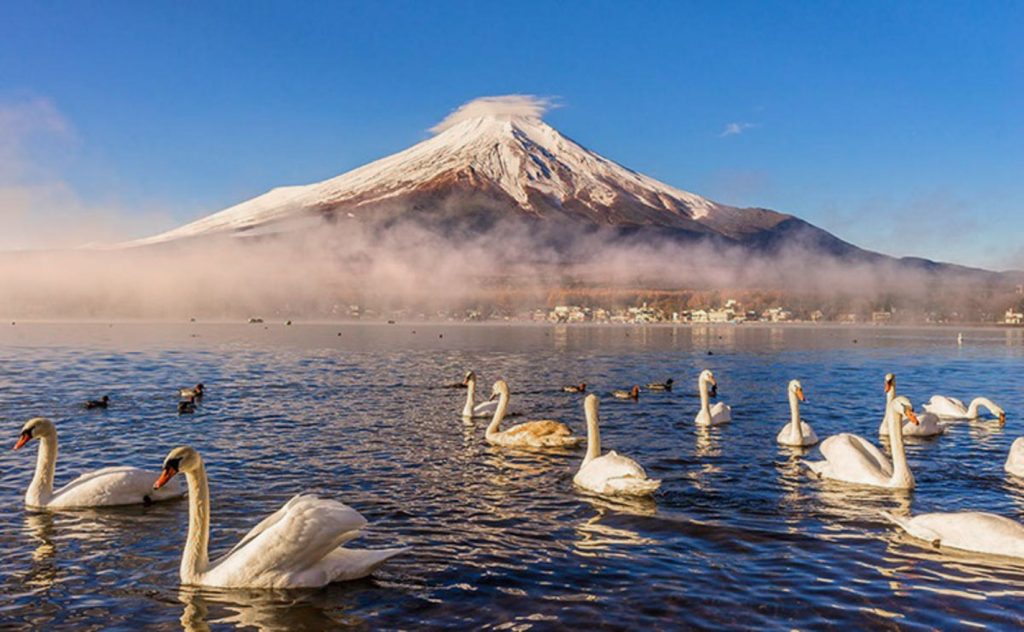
x=731 y=312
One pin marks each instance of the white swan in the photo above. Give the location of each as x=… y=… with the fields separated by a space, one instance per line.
x=953 y=408
x=797 y=432
x=529 y=434
x=971 y=531
x=472 y=409
x=928 y=424
x=110 y=486
x=1015 y=460
x=709 y=415
x=609 y=474
x=299 y=546
x=852 y=459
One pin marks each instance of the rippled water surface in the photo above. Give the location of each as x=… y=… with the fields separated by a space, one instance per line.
x=737 y=537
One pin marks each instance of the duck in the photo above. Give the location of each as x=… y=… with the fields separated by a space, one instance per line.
x=609 y=474
x=472 y=410
x=102 y=402
x=633 y=393
x=187 y=406
x=852 y=459
x=544 y=433
x=196 y=392
x=299 y=546
x=928 y=424
x=661 y=386
x=578 y=388
x=797 y=433
x=969 y=531
x=952 y=408
x=1015 y=460
x=107 y=487
x=709 y=415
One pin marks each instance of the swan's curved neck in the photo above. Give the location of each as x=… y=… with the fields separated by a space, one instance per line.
x=499 y=414
x=467 y=410
x=901 y=474
x=796 y=432
x=40 y=490
x=593 y=436
x=705 y=401
x=195 y=560
x=978 y=402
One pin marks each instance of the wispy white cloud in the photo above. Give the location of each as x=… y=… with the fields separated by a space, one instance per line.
x=39 y=208
x=505 y=106
x=735 y=128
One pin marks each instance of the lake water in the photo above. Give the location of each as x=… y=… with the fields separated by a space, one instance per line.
x=737 y=537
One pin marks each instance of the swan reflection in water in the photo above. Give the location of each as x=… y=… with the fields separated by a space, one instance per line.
x=268 y=610
x=43 y=572
x=599 y=539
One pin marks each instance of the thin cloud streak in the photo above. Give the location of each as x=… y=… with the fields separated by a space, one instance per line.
x=736 y=128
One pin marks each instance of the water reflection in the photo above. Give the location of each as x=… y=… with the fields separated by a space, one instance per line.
x=267 y=610
x=596 y=536
x=43 y=572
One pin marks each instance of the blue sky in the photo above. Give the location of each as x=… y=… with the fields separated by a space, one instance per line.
x=898 y=126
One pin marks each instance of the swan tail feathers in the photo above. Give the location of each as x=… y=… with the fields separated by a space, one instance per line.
x=816 y=467
x=349 y=564
x=914 y=530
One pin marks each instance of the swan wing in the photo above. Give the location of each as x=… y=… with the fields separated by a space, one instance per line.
x=853 y=459
x=485 y=409
x=928 y=426
x=541 y=428
x=111 y=486
x=287 y=549
x=973 y=531
x=613 y=473
x=721 y=413
x=946 y=407
x=808 y=436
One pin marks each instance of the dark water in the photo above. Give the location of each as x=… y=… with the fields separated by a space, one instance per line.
x=737 y=537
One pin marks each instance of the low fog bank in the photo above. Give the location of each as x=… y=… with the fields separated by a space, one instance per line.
x=511 y=267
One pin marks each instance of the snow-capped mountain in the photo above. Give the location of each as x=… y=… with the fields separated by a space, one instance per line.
x=505 y=159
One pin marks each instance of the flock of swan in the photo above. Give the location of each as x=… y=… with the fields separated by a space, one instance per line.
x=302 y=544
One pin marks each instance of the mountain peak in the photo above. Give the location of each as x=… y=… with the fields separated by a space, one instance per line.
x=497 y=151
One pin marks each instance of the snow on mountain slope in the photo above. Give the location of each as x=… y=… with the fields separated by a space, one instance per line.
x=509 y=152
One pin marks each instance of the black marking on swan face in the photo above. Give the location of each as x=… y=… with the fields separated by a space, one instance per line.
x=173 y=464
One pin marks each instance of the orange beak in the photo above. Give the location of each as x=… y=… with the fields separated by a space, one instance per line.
x=888 y=386
x=912 y=416
x=165 y=476
x=22 y=440
x=1002 y=418
x=800 y=394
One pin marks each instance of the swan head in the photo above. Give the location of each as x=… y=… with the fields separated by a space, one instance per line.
x=796 y=389
x=902 y=408
x=999 y=412
x=500 y=388
x=35 y=429
x=470 y=377
x=183 y=459
x=590 y=405
x=890 y=382
x=707 y=377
